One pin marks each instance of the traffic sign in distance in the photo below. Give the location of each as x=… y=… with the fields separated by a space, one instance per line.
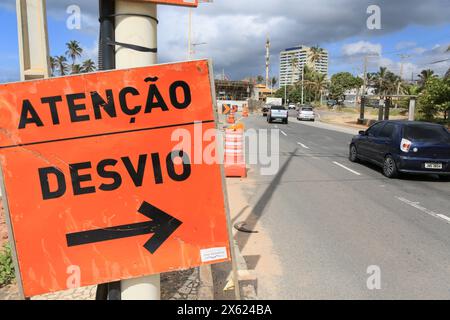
x=226 y=109
x=102 y=179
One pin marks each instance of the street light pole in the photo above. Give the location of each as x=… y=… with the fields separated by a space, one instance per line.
x=190 y=34
x=303 y=76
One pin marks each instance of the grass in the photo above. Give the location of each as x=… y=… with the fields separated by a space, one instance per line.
x=7 y=274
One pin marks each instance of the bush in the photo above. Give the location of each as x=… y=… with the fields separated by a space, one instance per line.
x=7 y=274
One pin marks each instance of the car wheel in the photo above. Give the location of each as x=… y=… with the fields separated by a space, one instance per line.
x=353 y=154
x=390 y=167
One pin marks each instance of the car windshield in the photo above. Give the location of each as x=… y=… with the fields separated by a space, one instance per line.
x=278 y=108
x=307 y=109
x=427 y=133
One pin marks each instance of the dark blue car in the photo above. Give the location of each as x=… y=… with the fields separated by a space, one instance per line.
x=404 y=147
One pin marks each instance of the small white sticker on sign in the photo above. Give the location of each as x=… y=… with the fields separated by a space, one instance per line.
x=213 y=254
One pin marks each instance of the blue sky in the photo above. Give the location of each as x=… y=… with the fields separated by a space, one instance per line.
x=235 y=33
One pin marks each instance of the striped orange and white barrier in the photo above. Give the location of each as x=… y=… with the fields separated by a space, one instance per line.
x=234 y=154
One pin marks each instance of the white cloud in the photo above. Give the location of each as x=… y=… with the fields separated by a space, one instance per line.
x=405 y=45
x=361 y=48
x=235 y=30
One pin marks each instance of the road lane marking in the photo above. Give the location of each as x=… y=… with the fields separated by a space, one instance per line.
x=303 y=146
x=283 y=133
x=443 y=217
x=425 y=210
x=346 y=168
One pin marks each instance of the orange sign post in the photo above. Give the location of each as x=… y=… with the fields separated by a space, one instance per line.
x=98 y=189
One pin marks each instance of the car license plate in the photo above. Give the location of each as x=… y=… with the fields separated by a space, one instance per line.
x=433 y=165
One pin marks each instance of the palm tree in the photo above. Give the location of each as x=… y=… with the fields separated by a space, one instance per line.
x=88 y=66
x=53 y=65
x=314 y=55
x=259 y=79
x=424 y=76
x=294 y=66
x=61 y=65
x=319 y=83
x=76 y=69
x=274 y=81
x=73 y=51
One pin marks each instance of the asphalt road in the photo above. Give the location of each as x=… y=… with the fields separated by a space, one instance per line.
x=330 y=220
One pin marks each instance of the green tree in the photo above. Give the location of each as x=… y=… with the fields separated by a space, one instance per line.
x=53 y=65
x=88 y=66
x=384 y=81
x=294 y=67
x=447 y=74
x=77 y=68
x=259 y=79
x=424 y=76
x=341 y=82
x=435 y=98
x=319 y=83
x=73 y=52
x=61 y=65
x=314 y=55
x=274 y=81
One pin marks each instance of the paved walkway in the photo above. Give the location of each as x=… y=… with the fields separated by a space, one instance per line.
x=180 y=285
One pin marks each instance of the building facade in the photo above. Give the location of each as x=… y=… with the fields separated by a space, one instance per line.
x=293 y=60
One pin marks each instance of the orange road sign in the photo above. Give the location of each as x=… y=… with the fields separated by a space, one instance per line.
x=226 y=109
x=185 y=3
x=97 y=187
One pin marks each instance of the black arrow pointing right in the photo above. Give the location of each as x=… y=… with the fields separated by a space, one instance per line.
x=161 y=225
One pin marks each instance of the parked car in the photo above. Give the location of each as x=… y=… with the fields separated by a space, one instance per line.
x=404 y=147
x=277 y=113
x=331 y=103
x=306 y=113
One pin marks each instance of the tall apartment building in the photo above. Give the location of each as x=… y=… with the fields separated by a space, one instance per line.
x=291 y=73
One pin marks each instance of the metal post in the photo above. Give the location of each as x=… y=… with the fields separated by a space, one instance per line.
x=106 y=57
x=140 y=31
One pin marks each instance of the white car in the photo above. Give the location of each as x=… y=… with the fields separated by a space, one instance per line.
x=291 y=106
x=306 y=113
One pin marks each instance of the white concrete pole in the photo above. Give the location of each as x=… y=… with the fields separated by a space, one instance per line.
x=139 y=31
x=412 y=109
x=33 y=39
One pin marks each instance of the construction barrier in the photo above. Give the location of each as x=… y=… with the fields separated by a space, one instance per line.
x=245 y=111
x=234 y=163
x=231 y=119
